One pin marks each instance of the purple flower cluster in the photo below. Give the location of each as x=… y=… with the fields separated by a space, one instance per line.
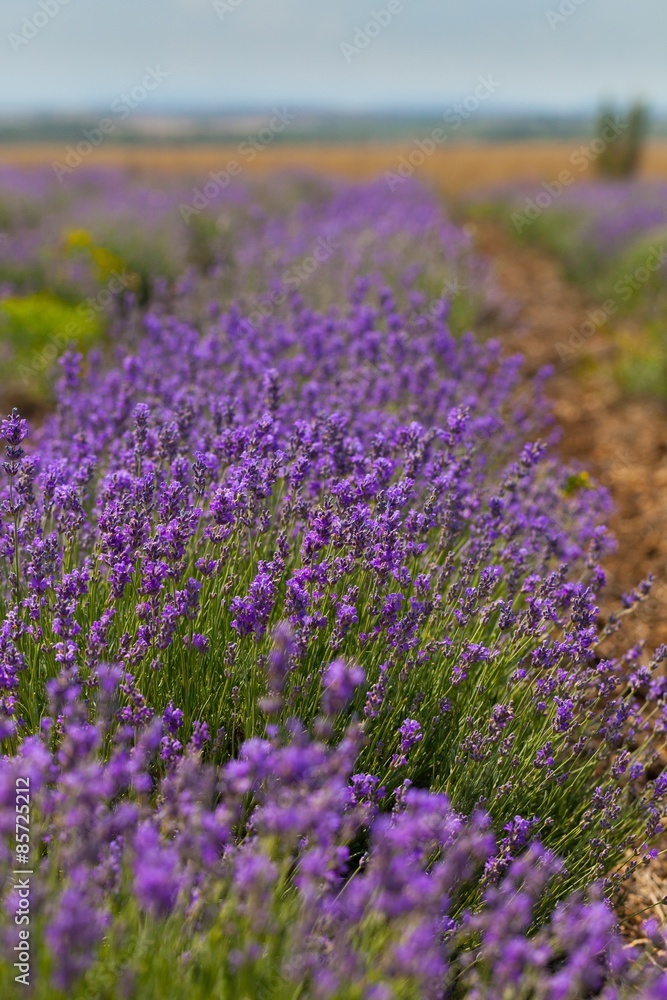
x=271 y=499
x=252 y=862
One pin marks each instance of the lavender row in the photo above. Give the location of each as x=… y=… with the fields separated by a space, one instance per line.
x=262 y=503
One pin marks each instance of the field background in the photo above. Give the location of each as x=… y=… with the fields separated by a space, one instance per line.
x=457 y=170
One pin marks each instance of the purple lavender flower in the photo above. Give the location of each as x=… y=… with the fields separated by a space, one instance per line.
x=13 y=430
x=340 y=682
x=156 y=880
x=411 y=734
x=75 y=929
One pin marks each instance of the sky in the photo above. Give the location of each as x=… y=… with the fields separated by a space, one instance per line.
x=354 y=55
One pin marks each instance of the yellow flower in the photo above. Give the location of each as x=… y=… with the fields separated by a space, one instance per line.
x=77 y=239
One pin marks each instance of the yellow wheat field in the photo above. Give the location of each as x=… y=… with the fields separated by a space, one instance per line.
x=457 y=169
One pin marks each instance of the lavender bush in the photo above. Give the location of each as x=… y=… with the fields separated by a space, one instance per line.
x=611 y=240
x=277 y=875
x=602 y=231
x=277 y=497
x=68 y=252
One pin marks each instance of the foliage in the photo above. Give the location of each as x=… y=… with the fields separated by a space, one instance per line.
x=35 y=330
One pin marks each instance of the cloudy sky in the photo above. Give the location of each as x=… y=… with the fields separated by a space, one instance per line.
x=543 y=54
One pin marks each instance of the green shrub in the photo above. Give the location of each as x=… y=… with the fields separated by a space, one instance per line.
x=621 y=157
x=36 y=329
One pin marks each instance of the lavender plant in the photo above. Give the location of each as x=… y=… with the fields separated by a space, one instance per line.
x=320 y=503
x=70 y=253
x=243 y=880
x=601 y=230
x=610 y=238
x=170 y=528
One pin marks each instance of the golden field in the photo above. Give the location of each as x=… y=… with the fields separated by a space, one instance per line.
x=456 y=169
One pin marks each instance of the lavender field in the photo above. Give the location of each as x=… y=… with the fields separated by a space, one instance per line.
x=305 y=690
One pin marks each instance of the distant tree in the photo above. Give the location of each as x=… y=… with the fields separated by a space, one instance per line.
x=624 y=138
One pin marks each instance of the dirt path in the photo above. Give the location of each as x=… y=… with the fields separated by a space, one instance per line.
x=621 y=441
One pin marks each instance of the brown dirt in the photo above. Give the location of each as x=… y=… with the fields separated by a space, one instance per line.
x=621 y=440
